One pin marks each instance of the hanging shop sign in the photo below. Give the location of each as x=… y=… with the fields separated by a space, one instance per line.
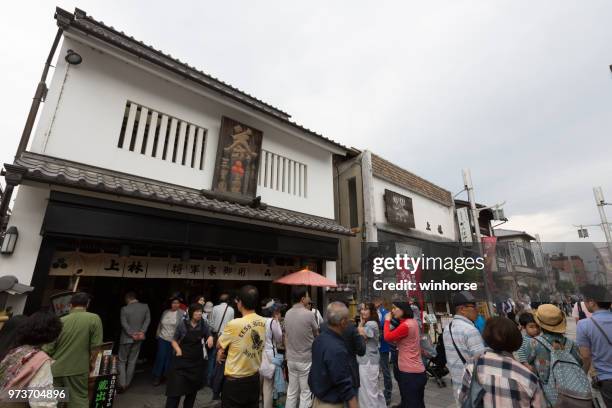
x=112 y=265
x=465 y=227
x=515 y=256
x=537 y=254
x=398 y=209
x=238 y=154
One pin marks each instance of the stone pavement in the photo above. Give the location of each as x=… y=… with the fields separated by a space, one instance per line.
x=143 y=394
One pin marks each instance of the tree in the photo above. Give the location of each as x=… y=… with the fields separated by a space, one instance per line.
x=565 y=286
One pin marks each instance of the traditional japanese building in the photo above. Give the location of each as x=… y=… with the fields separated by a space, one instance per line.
x=146 y=173
x=389 y=207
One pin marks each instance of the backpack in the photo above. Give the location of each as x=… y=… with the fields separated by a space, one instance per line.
x=567 y=383
x=440 y=358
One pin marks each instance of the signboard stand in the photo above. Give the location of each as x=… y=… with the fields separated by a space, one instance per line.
x=102 y=376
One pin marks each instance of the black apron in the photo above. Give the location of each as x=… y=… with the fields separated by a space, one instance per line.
x=186 y=374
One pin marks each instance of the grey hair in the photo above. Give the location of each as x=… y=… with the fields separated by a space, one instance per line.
x=336 y=312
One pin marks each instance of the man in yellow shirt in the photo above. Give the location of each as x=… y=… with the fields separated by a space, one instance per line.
x=242 y=342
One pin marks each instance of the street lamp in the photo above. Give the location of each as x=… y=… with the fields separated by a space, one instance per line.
x=73 y=58
x=9 y=241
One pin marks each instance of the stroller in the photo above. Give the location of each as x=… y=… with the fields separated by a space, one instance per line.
x=435 y=361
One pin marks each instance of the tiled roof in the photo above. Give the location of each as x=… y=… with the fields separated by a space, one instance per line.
x=88 y=25
x=36 y=167
x=502 y=233
x=392 y=173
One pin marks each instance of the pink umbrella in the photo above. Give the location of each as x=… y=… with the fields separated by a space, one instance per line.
x=307 y=278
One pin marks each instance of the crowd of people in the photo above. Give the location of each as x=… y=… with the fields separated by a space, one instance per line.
x=249 y=354
x=533 y=364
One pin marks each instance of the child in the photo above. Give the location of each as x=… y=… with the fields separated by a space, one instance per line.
x=530 y=329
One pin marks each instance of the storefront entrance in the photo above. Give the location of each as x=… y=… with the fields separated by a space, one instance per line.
x=108 y=298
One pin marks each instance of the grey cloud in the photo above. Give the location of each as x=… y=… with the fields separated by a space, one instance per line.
x=518 y=91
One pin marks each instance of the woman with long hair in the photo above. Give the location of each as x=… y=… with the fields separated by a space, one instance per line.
x=402 y=329
x=370 y=395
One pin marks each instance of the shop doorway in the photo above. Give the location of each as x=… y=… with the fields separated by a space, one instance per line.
x=108 y=294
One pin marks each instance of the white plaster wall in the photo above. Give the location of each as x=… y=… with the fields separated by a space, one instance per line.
x=84 y=126
x=330 y=270
x=28 y=213
x=425 y=210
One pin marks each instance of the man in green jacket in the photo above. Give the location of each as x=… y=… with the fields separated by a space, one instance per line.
x=71 y=351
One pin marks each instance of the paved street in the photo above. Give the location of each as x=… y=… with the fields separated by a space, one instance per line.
x=142 y=394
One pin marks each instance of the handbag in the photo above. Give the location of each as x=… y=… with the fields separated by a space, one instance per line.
x=475 y=395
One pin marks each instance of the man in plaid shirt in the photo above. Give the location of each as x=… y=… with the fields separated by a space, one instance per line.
x=468 y=343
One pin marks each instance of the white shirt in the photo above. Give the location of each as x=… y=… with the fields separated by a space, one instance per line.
x=216 y=325
x=168 y=325
x=274 y=337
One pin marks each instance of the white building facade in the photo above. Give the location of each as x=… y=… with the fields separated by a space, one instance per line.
x=386 y=204
x=130 y=130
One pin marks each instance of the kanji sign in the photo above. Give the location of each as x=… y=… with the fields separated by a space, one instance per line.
x=112 y=265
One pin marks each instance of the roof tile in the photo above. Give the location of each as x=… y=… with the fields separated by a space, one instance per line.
x=386 y=170
x=62 y=172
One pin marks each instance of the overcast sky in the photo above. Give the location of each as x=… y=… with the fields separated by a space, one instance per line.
x=518 y=91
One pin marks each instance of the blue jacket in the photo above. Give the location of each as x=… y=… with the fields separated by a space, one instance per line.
x=330 y=378
x=384 y=346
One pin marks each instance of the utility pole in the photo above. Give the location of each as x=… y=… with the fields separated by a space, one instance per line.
x=467 y=182
x=599 y=200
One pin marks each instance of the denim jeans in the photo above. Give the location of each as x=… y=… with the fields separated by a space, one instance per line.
x=386 y=372
x=162 y=359
x=212 y=355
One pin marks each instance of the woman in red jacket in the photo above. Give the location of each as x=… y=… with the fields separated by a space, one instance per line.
x=403 y=330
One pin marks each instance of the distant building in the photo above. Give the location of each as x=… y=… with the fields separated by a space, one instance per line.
x=384 y=204
x=520 y=264
x=569 y=269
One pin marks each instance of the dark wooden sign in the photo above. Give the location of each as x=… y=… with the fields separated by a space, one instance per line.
x=238 y=153
x=398 y=209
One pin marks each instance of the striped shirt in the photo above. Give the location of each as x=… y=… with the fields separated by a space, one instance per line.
x=469 y=343
x=522 y=354
x=507 y=383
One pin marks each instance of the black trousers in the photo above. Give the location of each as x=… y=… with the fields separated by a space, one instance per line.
x=412 y=389
x=173 y=402
x=394 y=361
x=606 y=392
x=241 y=392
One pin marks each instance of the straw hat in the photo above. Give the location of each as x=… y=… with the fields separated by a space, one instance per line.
x=550 y=318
